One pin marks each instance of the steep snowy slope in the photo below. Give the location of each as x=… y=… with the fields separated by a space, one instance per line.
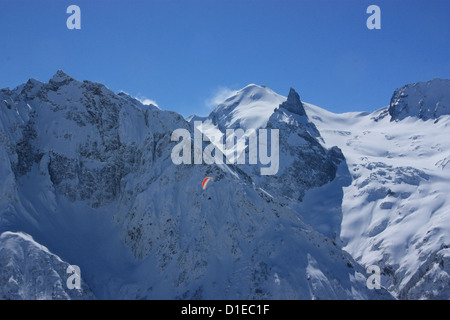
x=232 y=241
x=30 y=271
x=88 y=174
x=396 y=212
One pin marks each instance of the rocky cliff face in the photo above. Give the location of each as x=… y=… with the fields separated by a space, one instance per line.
x=305 y=162
x=425 y=100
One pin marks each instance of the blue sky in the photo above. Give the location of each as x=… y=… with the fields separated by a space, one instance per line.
x=181 y=53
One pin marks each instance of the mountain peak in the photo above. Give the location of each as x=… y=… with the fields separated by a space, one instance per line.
x=253 y=92
x=293 y=96
x=249 y=107
x=293 y=103
x=60 y=76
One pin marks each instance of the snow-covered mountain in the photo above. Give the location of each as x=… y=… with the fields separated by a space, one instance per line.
x=305 y=163
x=248 y=108
x=388 y=202
x=87 y=179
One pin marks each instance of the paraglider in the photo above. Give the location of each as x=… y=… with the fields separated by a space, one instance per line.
x=206 y=181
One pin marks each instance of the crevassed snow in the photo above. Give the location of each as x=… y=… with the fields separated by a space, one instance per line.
x=396 y=211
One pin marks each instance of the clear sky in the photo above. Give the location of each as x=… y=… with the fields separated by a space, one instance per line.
x=182 y=53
